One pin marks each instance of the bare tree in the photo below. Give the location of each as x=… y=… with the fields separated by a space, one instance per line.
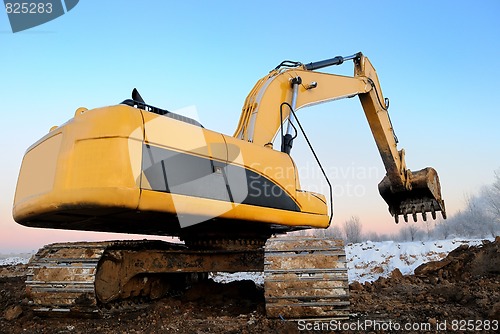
x=334 y=231
x=480 y=216
x=352 y=230
x=491 y=195
x=318 y=232
x=300 y=233
x=430 y=225
x=376 y=237
x=372 y=236
x=411 y=232
x=494 y=195
x=415 y=232
x=472 y=221
x=475 y=219
x=442 y=229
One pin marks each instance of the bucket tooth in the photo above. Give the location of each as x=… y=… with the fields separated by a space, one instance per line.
x=433 y=212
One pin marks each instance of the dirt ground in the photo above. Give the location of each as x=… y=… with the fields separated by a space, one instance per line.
x=460 y=292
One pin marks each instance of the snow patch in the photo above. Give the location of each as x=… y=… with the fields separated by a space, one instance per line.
x=258 y=278
x=367 y=261
x=10 y=261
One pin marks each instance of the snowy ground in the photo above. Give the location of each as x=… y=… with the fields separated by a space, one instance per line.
x=10 y=259
x=366 y=261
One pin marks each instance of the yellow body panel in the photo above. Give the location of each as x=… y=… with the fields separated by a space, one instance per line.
x=209 y=208
x=41 y=160
x=86 y=163
x=91 y=173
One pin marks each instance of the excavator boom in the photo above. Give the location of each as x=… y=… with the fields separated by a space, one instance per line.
x=405 y=192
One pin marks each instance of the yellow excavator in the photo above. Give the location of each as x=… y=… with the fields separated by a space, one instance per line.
x=136 y=168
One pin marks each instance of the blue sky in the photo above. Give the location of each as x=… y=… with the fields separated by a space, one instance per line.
x=437 y=62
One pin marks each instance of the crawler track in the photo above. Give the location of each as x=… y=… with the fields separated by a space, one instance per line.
x=85 y=278
x=61 y=277
x=306 y=278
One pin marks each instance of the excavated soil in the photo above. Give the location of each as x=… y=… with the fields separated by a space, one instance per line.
x=462 y=291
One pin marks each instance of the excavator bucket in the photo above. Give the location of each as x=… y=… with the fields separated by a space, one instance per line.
x=423 y=197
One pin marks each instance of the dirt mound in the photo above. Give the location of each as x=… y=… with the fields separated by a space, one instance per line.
x=465 y=262
x=464 y=285
x=13 y=271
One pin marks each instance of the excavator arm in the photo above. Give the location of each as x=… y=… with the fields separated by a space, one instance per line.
x=299 y=85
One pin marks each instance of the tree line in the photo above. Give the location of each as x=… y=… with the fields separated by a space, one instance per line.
x=480 y=218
